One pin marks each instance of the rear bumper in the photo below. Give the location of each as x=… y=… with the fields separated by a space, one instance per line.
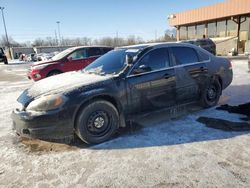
x=228 y=78
x=42 y=126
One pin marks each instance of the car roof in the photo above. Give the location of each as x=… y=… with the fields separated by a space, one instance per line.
x=156 y=45
x=96 y=46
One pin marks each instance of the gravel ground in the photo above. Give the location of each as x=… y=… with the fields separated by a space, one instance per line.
x=157 y=152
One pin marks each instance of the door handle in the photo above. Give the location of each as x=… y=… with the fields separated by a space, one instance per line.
x=167 y=76
x=203 y=69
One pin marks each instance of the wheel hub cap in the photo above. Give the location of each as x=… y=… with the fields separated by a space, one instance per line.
x=211 y=93
x=99 y=122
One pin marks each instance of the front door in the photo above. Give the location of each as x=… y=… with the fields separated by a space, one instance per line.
x=77 y=60
x=151 y=83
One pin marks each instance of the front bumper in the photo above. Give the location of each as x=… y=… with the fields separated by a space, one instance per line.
x=34 y=75
x=44 y=126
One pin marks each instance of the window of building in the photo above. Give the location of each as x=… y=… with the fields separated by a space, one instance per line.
x=184 y=55
x=183 y=33
x=211 y=30
x=231 y=28
x=200 y=31
x=221 y=29
x=191 y=32
x=245 y=28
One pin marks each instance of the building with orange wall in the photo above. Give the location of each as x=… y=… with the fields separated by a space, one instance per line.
x=226 y=23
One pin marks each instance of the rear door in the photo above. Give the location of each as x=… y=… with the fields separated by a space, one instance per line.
x=190 y=72
x=155 y=88
x=76 y=60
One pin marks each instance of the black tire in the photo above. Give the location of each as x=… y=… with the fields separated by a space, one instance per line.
x=97 y=122
x=53 y=73
x=210 y=93
x=5 y=61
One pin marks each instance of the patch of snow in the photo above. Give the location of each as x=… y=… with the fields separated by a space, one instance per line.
x=64 y=82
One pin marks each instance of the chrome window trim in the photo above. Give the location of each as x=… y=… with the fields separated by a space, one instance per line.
x=167 y=68
x=129 y=75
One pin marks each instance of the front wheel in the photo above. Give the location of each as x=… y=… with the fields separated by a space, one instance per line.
x=210 y=93
x=53 y=73
x=97 y=122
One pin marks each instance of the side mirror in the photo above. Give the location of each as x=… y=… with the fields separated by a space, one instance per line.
x=129 y=59
x=142 y=69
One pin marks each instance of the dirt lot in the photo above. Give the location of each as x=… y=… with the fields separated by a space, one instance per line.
x=157 y=152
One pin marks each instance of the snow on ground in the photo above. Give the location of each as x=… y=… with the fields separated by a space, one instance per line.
x=162 y=152
x=18 y=62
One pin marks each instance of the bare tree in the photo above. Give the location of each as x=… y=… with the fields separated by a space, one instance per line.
x=13 y=43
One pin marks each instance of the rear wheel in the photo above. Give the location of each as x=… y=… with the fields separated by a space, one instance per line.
x=53 y=73
x=97 y=122
x=210 y=93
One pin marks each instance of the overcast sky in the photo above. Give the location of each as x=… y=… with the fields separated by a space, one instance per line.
x=30 y=19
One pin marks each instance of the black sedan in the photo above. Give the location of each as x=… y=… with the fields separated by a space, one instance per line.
x=95 y=102
x=3 y=57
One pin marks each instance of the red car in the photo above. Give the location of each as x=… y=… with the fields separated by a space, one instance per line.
x=71 y=59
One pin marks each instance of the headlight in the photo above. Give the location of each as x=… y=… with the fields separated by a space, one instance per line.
x=47 y=103
x=39 y=67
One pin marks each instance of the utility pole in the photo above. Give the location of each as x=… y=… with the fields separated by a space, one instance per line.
x=6 y=34
x=155 y=35
x=59 y=33
x=117 y=42
x=56 y=40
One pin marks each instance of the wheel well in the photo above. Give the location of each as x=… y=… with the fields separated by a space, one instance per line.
x=99 y=97
x=55 y=70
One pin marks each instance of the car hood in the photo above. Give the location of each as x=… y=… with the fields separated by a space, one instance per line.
x=63 y=83
x=43 y=62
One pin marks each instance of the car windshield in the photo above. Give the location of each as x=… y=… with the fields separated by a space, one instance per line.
x=111 y=63
x=62 y=54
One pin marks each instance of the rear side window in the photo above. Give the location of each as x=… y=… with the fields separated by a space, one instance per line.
x=185 y=55
x=105 y=50
x=94 y=52
x=204 y=56
x=202 y=43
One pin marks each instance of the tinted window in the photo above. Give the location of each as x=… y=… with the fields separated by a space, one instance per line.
x=156 y=59
x=184 y=55
x=78 y=54
x=202 y=43
x=1 y=51
x=94 y=52
x=204 y=56
x=105 y=50
x=110 y=63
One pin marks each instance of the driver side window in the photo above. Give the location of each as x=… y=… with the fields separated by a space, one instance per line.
x=154 y=60
x=78 y=54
